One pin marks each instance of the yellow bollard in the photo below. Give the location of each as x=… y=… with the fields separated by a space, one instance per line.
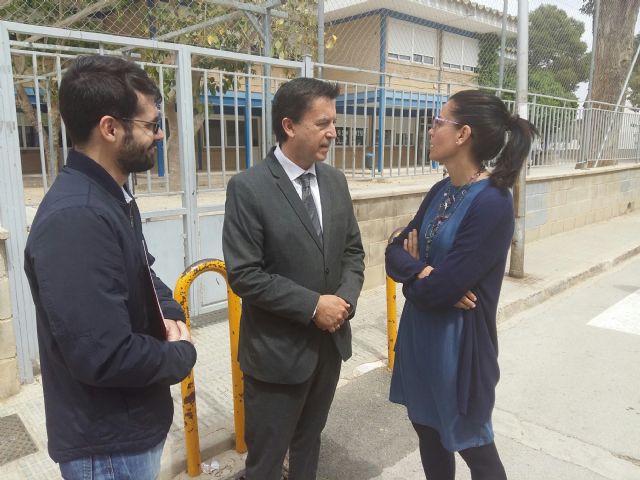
x=392 y=328
x=181 y=294
x=392 y=313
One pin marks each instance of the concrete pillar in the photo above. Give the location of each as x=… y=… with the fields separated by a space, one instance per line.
x=9 y=384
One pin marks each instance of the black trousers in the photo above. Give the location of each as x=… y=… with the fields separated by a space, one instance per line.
x=280 y=417
x=440 y=464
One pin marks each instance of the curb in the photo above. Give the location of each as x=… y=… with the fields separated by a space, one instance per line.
x=517 y=306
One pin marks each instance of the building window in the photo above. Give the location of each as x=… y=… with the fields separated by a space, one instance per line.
x=412 y=43
x=459 y=53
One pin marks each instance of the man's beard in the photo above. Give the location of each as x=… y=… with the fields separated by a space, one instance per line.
x=136 y=157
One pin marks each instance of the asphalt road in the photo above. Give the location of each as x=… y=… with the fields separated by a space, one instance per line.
x=568 y=402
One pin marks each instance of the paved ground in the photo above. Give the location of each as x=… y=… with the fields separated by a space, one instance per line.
x=567 y=403
x=552 y=265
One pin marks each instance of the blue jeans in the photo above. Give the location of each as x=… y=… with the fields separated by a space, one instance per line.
x=118 y=466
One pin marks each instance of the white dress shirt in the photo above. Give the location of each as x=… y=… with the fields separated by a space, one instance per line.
x=293 y=171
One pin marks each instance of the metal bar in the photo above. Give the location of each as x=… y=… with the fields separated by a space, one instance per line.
x=393 y=131
x=36 y=92
x=235 y=113
x=165 y=170
x=184 y=101
x=52 y=155
x=263 y=121
x=344 y=128
x=379 y=135
x=84 y=13
x=321 y=37
x=268 y=52
x=354 y=130
x=503 y=47
x=145 y=43
x=255 y=23
x=416 y=137
x=207 y=129
x=249 y=7
x=365 y=128
x=401 y=129
x=248 y=140
x=63 y=128
x=223 y=135
x=199 y=26
x=425 y=138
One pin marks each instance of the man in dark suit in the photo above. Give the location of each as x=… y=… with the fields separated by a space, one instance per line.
x=294 y=255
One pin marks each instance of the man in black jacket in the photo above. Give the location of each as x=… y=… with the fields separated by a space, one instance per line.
x=112 y=340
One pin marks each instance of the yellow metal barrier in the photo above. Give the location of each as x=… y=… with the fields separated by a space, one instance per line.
x=392 y=313
x=181 y=294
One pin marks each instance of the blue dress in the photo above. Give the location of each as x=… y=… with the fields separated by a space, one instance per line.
x=428 y=345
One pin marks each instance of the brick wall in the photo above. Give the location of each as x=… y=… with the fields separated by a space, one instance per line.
x=9 y=384
x=559 y=203
x=379 y=212
x=555 y=203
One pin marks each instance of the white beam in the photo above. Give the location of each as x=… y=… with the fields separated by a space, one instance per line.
x=250 y=7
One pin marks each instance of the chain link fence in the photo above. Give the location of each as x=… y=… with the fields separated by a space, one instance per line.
x=397 y=62
x=217 y=24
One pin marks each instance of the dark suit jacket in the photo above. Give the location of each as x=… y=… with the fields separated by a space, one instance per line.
x=276 y=265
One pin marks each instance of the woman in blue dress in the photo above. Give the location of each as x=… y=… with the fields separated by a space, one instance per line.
x=451 y=260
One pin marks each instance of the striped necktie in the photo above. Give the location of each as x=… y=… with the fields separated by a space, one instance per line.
x=309 y=204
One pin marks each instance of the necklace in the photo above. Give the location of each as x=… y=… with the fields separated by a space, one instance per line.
x=451 y=199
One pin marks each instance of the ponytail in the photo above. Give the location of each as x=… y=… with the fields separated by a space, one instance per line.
x=510 y=160
x=491 y=123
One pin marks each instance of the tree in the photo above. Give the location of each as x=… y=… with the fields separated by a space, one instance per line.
x=557 y=57
x=614 y=49
x=555 y=47
x=291 y=39
x=613 y=54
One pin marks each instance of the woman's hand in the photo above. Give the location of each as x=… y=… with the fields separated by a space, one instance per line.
x=425 y=272
x=467 y=302
x=410 y=245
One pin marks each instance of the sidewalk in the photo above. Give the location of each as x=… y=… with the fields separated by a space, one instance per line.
x=552 y=265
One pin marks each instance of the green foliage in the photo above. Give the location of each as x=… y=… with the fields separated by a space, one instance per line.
x=557 y=58
x=634 y=81
x=555 y=46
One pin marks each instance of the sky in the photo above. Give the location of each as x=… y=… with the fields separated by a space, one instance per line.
x=572 y=7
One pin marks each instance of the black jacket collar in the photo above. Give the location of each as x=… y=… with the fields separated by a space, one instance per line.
x=83 y=164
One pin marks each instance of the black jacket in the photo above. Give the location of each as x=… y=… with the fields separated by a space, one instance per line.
x=105 y=376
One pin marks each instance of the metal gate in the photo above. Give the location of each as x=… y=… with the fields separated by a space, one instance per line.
x=215 y=122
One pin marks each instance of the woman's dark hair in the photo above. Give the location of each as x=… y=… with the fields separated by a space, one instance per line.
x=490 y=123
x=294 y=98
x=95 y=86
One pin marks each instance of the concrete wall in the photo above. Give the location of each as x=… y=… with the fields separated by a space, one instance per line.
x=555 y=204
x=379 y=212
x=559 y=203
x=8 y=366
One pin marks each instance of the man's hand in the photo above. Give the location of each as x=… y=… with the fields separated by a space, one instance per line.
x=177 y=330
x=411 y=244
x=467 y=302
x=331 y=312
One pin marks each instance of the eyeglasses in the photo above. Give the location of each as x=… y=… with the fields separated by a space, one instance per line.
x=153 y=126
x=439 y=121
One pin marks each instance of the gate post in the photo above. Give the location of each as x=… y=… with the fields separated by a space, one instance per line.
x=13 y=216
